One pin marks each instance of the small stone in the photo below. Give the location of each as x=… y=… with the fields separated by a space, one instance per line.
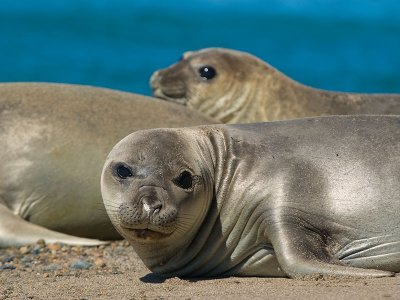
x=81 y=265
x=51 y=268
x=7 y=259
x=75 y=249
x=24 y=249
x=41 y=243
x=7 y=267
x=45 y=275
x=36 y=250
x=26 y=259
x=97 y=254
x=54 y=247
x=119 y=250
x=100 y=263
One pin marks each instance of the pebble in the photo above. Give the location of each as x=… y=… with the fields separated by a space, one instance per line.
x=7 y=267
x=24 y=249
x=81 y=265
x=41 y=243
x=7 y=259
x=54 y=247
x=51 y=268
x=100 y=263
x=26 y=259
x=36 y=250
x=119 y=250
x=75 y=249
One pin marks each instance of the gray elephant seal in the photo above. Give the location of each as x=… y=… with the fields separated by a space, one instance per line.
x=54 y=139
x=306 y=197
x=235 y=87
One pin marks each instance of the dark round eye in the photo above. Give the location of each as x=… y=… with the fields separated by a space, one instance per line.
x=184 y=180
x=123 y=172
x=207 y=72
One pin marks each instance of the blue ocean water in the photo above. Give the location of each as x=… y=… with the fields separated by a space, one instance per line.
x=350 y=45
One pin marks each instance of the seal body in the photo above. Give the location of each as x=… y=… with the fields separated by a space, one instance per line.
x=236 y=87
x=297 y=198
x=54 y=139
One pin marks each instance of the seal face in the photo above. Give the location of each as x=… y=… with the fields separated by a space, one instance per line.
x=150 y=214
x=265 y=199
x=236 y=87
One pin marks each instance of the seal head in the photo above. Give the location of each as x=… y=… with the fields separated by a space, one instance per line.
x=156 y=201
x=207 y=81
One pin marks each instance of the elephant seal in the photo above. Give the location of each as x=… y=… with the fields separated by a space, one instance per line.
x=307 y=197
x=236 y=87
x=54 y=139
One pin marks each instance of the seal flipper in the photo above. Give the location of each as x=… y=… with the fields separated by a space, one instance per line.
x=302 y=252
x=15 y=231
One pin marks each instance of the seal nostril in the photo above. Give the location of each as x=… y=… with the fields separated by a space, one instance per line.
x=150 y=205
x=157 y=207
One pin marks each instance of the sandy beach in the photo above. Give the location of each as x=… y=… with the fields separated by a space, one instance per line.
x=115 y=272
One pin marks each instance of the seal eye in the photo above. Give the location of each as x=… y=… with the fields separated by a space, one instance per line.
x=123 y=172
x=207 y=72
x=184 y=180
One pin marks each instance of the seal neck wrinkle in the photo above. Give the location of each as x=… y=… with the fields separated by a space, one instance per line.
x=215 y=140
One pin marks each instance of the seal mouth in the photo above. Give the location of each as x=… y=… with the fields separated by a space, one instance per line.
x=157 y=92
x=145 y=234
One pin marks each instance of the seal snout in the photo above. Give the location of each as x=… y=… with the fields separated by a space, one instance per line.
x=145 y=216
x=144 y=208
x=168 y=84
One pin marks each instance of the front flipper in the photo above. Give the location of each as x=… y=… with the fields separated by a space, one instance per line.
x=302 y=252
x=15 y=231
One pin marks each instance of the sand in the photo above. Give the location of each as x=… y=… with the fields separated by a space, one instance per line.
x=115 y=272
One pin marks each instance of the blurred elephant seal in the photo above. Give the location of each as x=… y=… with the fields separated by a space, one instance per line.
x=235 y=87
x=301 y=198
x=54 y=139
